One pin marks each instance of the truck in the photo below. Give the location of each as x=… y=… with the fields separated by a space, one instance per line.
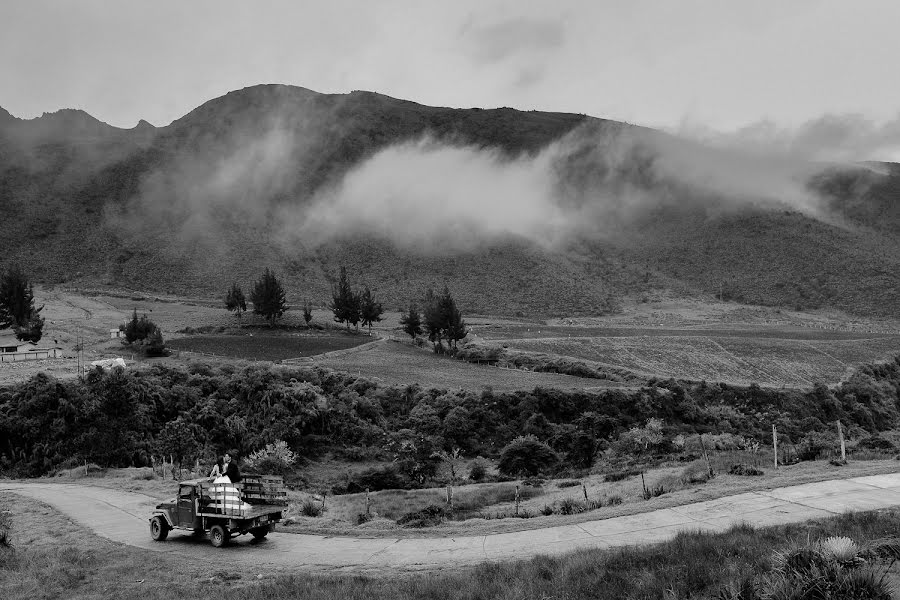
x=222 y=510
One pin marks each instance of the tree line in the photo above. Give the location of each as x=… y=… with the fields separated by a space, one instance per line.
x=121 y=418
x=441 y=317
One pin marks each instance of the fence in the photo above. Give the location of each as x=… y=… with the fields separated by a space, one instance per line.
x=41 y=354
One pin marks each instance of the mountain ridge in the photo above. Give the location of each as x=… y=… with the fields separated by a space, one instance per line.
x=193 y=205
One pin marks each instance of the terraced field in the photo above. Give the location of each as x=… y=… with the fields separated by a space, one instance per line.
x=737 y=359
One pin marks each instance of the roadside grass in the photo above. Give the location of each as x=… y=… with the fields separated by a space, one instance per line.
x=261 y=346
x=54 y=558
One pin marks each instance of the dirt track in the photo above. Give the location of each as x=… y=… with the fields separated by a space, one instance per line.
x=123 y=517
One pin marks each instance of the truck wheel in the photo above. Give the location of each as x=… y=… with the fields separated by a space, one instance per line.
x=218 y=536
x=260 y=532
x=159 y=529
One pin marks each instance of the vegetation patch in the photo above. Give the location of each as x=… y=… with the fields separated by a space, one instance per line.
x=260 y=346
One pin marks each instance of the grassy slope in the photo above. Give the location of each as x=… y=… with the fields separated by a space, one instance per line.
x=55 y=558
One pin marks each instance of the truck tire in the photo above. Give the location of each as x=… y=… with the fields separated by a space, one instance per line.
x=159 y=529
x=260 y=532
x=218 y=535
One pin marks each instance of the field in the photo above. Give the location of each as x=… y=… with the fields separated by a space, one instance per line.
x=260 y=346
x=710 y=341
x=403 y=364
x=794 y=359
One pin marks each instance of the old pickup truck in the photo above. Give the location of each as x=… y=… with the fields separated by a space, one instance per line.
x=222 y=510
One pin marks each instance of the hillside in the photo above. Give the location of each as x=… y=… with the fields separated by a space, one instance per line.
x=289 y=178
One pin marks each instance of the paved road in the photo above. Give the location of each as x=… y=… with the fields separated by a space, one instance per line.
x=122 y=517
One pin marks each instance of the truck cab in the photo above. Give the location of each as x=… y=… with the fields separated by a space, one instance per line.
x=222 y=510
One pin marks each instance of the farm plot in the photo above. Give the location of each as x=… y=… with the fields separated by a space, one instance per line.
x=267 y=347
x=732 y=359
x=402 y=364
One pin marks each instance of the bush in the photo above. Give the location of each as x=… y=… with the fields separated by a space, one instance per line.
x=275 y=459
x=571 y=506
x=614 y=500
x=565 y=484
x=744 y=470
x=477 y=471
x=428 y=516
x=310 y=508
x=526 y=456
x=696 y=472
x=619 y=475
x=376 y=479
x=5 y=528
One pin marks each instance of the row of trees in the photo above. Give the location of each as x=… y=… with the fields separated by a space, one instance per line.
x=441 y=319
x=17 y=309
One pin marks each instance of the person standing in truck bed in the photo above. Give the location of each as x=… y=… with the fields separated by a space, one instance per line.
x=231 y=469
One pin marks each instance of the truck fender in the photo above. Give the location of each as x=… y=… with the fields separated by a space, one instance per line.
x=165 y=515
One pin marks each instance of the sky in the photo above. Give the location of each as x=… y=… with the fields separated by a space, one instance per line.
x=687 y=65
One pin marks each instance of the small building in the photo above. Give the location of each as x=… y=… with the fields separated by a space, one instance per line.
x=9 y=343
x=116 y=333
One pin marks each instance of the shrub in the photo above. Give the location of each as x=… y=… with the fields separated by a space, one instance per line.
x=526 y=456
x=547 y=510
x=565 y=484
x=619 y=475
x=876 y=442
x=310 y=508
x=653 y=492
x=571 y=506
x=696 y=472
x=375 y=479
x=744 y=470
x=428 y=516
x=363 y=518
x=477 y=471
x=614 y=500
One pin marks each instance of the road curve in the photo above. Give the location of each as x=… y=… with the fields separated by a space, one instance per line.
x=123 y=517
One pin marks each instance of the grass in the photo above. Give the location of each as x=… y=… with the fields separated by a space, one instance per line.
x=54 y=558
x=751 y=357
x=261 y=346
x=403 y=364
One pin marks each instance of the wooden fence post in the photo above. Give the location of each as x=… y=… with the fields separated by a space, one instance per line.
x=706 y=456
x=775 y=444
x=367 y=501
x=450 y=496
x=323 y=499
x=517 y=500
x=584 y=490
x=841 y=436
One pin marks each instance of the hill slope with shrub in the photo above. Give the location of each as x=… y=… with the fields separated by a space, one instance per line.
x=192 y=206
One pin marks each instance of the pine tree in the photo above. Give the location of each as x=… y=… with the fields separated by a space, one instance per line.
x=433 y=323
x=17 y=305
x=235 y=301
x=268 y=297
x=452 y=324
x=412 y=323
x=370 y=309
x=345 y=302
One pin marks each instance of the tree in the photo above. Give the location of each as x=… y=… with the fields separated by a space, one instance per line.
x=345 y=302
x=307 y=312
x=370 y=310
x=268 y=297
x=235 y=301
x=412 y=322
x=17 y=306
x=456 y=327
x=138 y=329
x=433 y=321
x=526 y=456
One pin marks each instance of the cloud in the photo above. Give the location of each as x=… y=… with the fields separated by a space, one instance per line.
x=831 y=137
x=494 y=43
x=596 y=181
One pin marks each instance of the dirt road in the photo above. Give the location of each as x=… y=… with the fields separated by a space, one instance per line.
x=123 y=517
